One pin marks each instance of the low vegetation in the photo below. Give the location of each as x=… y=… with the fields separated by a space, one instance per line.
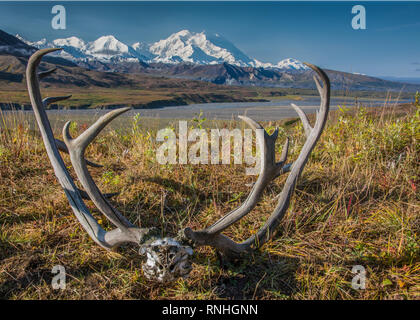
x=356 y=203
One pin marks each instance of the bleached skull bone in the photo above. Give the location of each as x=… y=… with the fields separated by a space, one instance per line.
x=166 y=260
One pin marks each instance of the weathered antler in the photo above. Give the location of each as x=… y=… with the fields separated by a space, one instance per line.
x=270 y=169
x=125 y=232
x=166 y=258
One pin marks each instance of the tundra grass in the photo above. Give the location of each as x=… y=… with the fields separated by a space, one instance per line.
x=356 y=203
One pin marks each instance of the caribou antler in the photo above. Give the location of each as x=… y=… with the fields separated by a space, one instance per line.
x=157 y=266
x=167 y=259
x=270 y=169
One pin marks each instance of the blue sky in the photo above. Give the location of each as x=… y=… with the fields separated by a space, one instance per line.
x=317 y=32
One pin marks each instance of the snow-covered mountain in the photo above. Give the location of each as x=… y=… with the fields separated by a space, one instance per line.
x=111 y=55
x=104 y=49
x=41 y=44
x=181 y=47
x=109 y=48
x=197 y=48
x=291 y=63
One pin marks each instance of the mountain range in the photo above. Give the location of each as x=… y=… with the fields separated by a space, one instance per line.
x=181 y=47
x=193 y=56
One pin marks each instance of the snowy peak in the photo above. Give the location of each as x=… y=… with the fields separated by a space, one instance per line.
x=291 y=63
x=38 y=44
x=197 y=48
x=74 y=42
x=104 y=49
x=181 y=47
x=73 y=48
x=107 y=46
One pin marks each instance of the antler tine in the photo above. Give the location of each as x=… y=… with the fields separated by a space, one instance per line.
x=107 y=240
x=284 y=153
x=82 y=141
x=306 y=126
x=44 y=74
x=76 y=149
x=303 y=117
x=251 y=122
x=49 y=100
x=227 y=246
x=318 y=85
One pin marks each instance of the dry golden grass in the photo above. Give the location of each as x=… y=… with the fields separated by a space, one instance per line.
x=356 y=203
